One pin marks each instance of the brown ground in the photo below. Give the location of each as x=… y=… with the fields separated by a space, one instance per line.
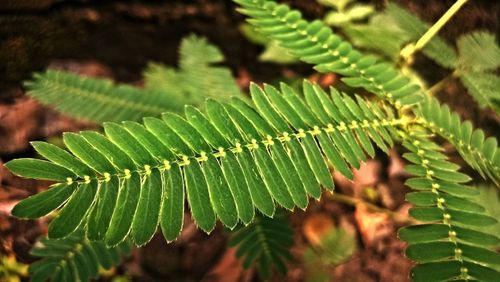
x=116 y=39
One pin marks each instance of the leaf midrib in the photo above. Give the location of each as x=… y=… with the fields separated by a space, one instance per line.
x=181 y=161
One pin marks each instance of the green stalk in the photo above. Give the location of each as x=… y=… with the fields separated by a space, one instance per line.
x=434 y=89
x=431 y=32
x=352 y=201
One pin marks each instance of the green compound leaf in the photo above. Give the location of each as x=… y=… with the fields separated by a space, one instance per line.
x=478 y=51
x=95 y=99
x=451 y=245
x=73 y=258
x=263 y=145
x=166 y=89
x=315 y=43
x=483 y=87
x=436 y=49
x=479 y=152
x=264 y=243
x=226 y=164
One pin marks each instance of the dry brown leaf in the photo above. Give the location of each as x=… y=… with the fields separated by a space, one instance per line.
x=316 y=226
x=372 y=226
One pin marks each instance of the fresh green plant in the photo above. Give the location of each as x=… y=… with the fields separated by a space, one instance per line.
x=387 y=33
x=489 y=197
x=272 y=52
x=265 y=242
x=166 y=89
x=74 y=258
x=335 y=247
x=237 y=157
x=436 y=48
x=477 y=73
x=164 y=80
x=160 y=80
x=198 y=76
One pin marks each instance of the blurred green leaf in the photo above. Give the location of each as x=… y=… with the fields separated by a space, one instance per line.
x=336 y=18
x=359 y=12
x=253 y=35
x=197 y=77
x=478 y=51
x=335 y=247
x=164 y=79
x=121 y=278
x=479 y=57
x=483 y=87
x=489 y=198
x=316 y=272
x=264 y=243
x=276 y=54
x=272 y=51
x=380 y=34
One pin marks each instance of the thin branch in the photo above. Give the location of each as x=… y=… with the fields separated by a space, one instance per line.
x=431 y=32
x=352 y=201
x=438 y=86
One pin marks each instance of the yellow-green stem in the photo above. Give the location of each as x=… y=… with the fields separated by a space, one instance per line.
x=431 y=32
x=434 y=89
x=352 y=201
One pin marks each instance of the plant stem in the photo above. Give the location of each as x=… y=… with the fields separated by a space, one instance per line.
x=439 y=24
x=438 y=86
x=434 y=89
x=341 y=198
x=431 y=32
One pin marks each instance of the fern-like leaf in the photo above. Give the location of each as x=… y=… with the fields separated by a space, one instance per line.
x=478 y=51
x=483 y=87
x=479 y=152
x=96 y=99
x=74 y=258
x=166 y=89
x=198 y=77
x=437 y=48
x=315 y=43
x=489 y=197
x=380 y=34
x=478 y=60
x=264 y=243
x=226 y=163
x=447 y=246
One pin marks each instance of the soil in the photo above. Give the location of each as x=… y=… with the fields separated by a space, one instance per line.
x=116 y=39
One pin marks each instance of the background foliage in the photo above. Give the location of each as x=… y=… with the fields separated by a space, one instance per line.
x=460 y=258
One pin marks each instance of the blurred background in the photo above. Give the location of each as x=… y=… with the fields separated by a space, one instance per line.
x=117 y=40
